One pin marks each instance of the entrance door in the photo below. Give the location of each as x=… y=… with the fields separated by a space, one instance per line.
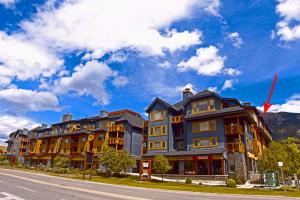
x=203 y=167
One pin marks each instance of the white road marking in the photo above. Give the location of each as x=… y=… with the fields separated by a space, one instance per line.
x=107 y=194
x=9 y=196
x=25 y=188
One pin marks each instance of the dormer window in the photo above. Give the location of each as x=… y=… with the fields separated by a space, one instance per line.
x=203 y=106
x=158 y=115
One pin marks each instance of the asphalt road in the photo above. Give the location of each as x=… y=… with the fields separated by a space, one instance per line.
x=18 y=185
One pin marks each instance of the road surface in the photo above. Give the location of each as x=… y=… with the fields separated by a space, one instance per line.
x=19 y=185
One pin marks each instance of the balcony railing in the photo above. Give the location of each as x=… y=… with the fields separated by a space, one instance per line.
x=177 y=119
x=116 y=141
x=116 y=128
x=234 y=129
x=235 y=147
x=255 y=147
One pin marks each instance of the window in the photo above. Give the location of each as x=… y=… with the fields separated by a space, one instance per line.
x=158 y=115
x=205 y=142
x=66 y=140
x=180 y=145
x=203 y=106
x=99 y=149
x=158 y=145
x=158 y=130
x=101 y=137
x=203 y=126
x=83 y=139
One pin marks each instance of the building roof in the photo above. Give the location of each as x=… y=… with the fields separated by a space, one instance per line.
x=230 y=110
x=187 y=153
x=164 y=103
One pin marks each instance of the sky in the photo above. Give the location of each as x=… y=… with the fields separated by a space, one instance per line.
x=83 y=56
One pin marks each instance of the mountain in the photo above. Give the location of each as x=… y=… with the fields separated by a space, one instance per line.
x=284 y=125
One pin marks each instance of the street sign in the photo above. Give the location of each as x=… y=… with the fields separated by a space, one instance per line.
x=89 y=157
x=280 y=164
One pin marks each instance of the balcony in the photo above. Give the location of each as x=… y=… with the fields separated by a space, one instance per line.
x=255 y=147
x=235 y=147
x=116 y=128
x=116 y=141
x=145 y=124
x=234 y=129
x=177 y=119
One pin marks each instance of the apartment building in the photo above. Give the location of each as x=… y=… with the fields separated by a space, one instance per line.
x=206 y=135
x=71 y=138
x=17 y=144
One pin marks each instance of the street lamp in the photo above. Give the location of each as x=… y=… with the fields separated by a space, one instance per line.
x=280 y=164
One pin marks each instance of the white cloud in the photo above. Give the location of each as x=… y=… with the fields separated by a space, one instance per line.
x=235 y=39
x=213 y=89
x=179 y=89
x=87 y=79
x=228 y=84
x=207 y=61
x=9 y=123
x=288 y=29
x=120 y=81
x=232 y=71
x=24 y=60
x=28 y=100
x=7 y=2
x=164 y=65
x=292 y=105
x=101 y=26
x=117 y=57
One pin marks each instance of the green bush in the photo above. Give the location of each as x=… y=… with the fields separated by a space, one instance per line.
x=61 y=170
x=75 y=171
x=240 y=181
x=188 y=181
x=4 y=162
x=231 y=183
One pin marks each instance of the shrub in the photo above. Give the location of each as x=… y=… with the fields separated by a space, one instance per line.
x=231 y=183
x=240 y=181
x=4 y=162
x=75 y=171
x=62 y=170
x=188 y=181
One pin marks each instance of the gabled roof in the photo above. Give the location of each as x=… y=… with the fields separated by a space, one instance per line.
x=203 y=93
x=164 y=103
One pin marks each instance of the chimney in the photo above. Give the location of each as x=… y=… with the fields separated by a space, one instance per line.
x=187 y=93
x=103 y=113
x=67 y=117
x=44 y=126
x=247 y=104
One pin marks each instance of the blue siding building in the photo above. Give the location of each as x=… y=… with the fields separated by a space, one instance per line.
x=206 y=134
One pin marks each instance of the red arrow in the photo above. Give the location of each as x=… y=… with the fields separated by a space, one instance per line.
x=267 y=104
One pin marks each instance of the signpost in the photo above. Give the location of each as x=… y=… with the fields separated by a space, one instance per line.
x=145 y=169
x=88 y=161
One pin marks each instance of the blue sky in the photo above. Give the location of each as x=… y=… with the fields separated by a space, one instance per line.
x=84 y=56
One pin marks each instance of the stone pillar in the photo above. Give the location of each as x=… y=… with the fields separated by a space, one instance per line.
x=237 y=166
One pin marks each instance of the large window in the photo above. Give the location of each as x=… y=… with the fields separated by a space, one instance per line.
x=158 y=131
x=203 y=106
x=205 y=142
x=158 y=115
x=158 y=145
x=201 y=126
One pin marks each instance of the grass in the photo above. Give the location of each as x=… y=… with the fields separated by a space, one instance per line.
x=133 y=181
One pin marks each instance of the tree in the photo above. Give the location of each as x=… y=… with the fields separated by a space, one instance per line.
x=287 y=152
x=61 y=162
x=161 y=165
x=116 y=162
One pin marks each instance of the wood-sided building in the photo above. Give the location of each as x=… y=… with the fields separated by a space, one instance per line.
x=72 y=138
x=207 y=135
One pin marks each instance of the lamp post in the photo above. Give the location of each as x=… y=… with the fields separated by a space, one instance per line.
x=280 y=164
